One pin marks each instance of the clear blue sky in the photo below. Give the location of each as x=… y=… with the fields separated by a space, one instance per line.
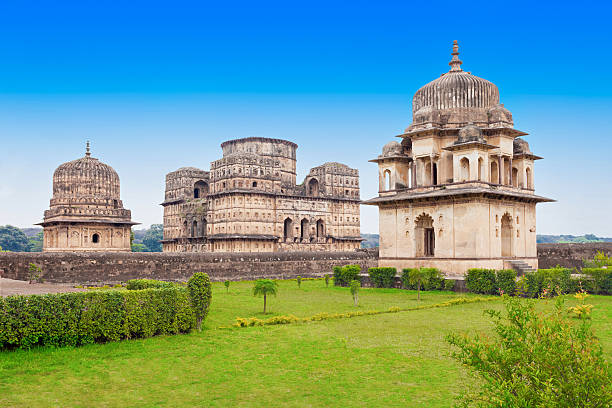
x=159 y=85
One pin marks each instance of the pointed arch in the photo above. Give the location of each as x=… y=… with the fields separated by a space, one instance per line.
x=424 y=235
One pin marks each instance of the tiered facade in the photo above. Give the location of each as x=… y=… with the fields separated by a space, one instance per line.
x=86 y=212
x=458 y=191
x=249 y=202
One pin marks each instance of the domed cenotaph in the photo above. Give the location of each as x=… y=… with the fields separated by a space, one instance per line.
x=86 y=212
x=457 y=191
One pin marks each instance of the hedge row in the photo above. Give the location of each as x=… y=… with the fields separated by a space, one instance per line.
x=559 y=280
x=434 y=280
x=254 y=321
x=600 y=280
x=74 y=319
x=140 y=284
x=343 y=275
x=490 y=281
x=382 y=277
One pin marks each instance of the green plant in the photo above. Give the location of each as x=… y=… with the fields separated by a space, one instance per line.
x=227 y=285
x=326 y=280
x=382 y=277
x=505 y=281
x=521 y=287
x=481 y=281
x=34 y=273
x=355 y=285
x=434 y=279
x=599 y=260
x=200 y=294
x=600 y=279
x=537 y=359
x=547 y=281
x=345 y=274
x=581 y=311
x=299 y=281
x=449 y=284
x=417 y=276
x=265 y=287
x=139 y=284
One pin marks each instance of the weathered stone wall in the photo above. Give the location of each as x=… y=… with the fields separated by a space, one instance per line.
x=569 y=255
x=119 y=267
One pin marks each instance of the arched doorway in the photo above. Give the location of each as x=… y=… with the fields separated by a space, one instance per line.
x=288 y=229
x=480 y=168
x=464 y=165
x=528 y=180
x=494 y=173
x=313 y=187
x=424 y=235
x=515 y=177
x=200 y=189
x=387 y=180
x=320 y=229
x=194 y=229
x=506 y=235
x=304 y=230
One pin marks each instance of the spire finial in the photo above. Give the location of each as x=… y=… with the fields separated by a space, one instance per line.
x=87 y=152
x=455 y=61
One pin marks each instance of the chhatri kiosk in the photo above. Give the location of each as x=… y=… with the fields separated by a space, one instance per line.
x=457 y=191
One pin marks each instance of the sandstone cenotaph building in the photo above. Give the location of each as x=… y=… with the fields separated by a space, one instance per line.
x=249 y=202
x=86 y=212
x=458 y=191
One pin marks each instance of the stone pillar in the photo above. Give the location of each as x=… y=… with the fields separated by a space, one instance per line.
x=414 y=173
x=510 y=171
x=500 y=164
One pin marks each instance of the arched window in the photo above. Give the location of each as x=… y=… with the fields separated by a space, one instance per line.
x=204 y=227
x=200 y=189
x=514 y=177
x=528 y=178
x=387 y=180
x=288 y=229
x=313 y=187
x=254 y=184
x=304 y=230
x=480 y=168
x=506 y=235
x=95 y=238
x=464 y=165
x=194 y=228
x=434 y=174
x=424 y=236
x=320 y=229
x=494 y=173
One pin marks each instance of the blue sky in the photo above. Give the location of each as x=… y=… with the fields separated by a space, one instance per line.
x=159 y=85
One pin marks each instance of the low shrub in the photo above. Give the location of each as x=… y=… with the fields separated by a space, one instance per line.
x=482 y=281
x=600 y=280
x=449 y=284
x=505 y=280
x=140 y=284
x=200 y=295
x=73 y=319
x=382 y=277
x=432 y=279
x=549 y=281
x=345 y=274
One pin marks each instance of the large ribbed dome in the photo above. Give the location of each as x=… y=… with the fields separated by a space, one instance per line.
x=455 y=99
x=85 y=178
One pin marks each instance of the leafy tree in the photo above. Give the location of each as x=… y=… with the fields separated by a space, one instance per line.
x=13 y=239
x=299 y=281
x=200 y=293
x=537 y=359
x=152 y=238
x=355 y=285
x=265 y=287
x=327 y=280
x=226 y=283
x=138 y=248
x=34 y=273
x=416 y=277
x=35 y=243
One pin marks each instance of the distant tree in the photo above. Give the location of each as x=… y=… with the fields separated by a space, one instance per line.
x=34 y=273
x=13 y=239
x=299 y=281
x=200 y=293
x=355 y=285
x=265 y=287
x=327 y=279
x=152 y=238
x=417 y=276
x=35 y=243
x=226 y=283
x=138 y=248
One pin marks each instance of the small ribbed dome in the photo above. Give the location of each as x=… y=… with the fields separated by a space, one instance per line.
x=456 y=97
x=520 y=146
x=470 y=133
x=393 y=148
x=85 y=177
x=499 y=115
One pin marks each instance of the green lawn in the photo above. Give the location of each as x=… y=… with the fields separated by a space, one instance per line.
x=396 y=359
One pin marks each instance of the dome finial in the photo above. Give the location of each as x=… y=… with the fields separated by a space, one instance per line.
x=455 y=61
x=87 y=152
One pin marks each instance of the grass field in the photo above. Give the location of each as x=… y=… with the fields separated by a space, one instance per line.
x=396 y=359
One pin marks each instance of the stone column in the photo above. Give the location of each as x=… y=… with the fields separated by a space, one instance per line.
x=500 y=164
x=414 y=173
x=510 y=171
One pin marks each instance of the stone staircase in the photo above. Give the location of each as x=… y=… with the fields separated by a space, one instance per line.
x=521 y=267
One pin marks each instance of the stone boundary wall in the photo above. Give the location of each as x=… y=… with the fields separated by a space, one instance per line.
x=569 y=255
x=96 y=268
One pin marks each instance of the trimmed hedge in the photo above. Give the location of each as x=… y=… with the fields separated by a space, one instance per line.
x=140 y=284
x=552 y=280
x=343 y=275
x=600 y=280
x=382 y=277
x=491 y=281
x=74 y=319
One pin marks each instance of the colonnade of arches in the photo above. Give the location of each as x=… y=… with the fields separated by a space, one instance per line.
x=195 y=228
x=304 y=233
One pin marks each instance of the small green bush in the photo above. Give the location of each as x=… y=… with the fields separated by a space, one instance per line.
x=74 y=319
x=200 y=294
x=432 y=279
x=227 y=285
x=140 y=284
x=382 y=277
x=326 y=280
x=299 y=281
x=479 y=280
x=505 y=280
x=345 y=274
x=449 y=284
x=551 y=281
x=355 y=285
x=600 y=279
